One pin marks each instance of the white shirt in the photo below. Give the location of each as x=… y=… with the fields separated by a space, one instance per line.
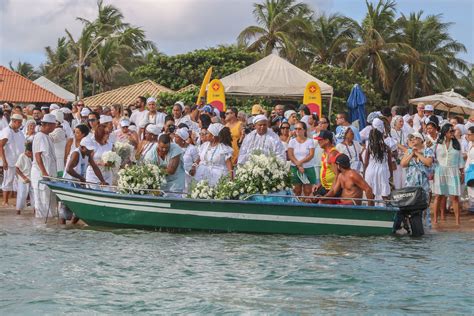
x=3 y=123
x=353 y=152
x=138 y=116
x=15 y=145
x=158 y=119
x=417 y=122
x=43 y=144
x=24 y=164
x=268 y=143
x=301 y=150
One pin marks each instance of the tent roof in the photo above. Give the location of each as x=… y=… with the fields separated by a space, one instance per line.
x=54 y=88
x=126 y=95
x=447 y=101
x=18 y=89
x=271 y=76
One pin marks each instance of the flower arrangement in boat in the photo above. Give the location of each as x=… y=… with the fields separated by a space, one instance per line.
x=139 y=179
x=125 y=151
x=111 y=160
x=262 y=174
x=202 y=190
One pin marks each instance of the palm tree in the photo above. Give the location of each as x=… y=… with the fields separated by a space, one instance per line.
x=58 y=63
x=379 y=47
x=25 y=69
x=436 y=67
x=280 y=24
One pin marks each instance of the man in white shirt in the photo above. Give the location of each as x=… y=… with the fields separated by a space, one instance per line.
x=44 y=165
x=140 y=113
x=152 y=117
x=261 y=139
x=12 y=145
x=418 y=117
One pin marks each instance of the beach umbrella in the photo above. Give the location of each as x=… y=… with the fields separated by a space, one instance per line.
x=448 y=101
x=356 y=104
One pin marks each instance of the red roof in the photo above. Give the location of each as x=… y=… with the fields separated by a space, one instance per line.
x=18 y=89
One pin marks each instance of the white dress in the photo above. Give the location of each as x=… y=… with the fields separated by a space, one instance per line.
x=190 y=156
x=212 y=165
x=353 y=152
x=59 y=138
x=106 y=172
x=377 y=175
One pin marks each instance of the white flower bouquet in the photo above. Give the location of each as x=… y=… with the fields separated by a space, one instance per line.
x=202 y=190
x=111 y=160
x=139 y=179
x=125 y=151
x=262 y=174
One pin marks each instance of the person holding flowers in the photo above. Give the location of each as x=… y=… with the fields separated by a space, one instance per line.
x=215 y=156
x=301 y=153
x=101 y=146
x=190 y=155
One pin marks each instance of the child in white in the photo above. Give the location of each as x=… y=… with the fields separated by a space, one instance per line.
x=23 y=172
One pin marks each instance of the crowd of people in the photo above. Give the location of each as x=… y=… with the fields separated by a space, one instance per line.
x=341 y=165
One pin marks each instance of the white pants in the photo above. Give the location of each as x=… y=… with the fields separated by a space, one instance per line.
x=8 y=178
x=23 y=189
x=45 y=200
x=399 y=177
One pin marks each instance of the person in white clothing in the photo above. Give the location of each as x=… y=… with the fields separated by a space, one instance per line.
x=215 y=156
x=59 y=138
x=470 y=161
x=23 y=172
x=44 y=165
x=102 y=145
x=351 y=149
x=419 y=117
x=152 y=117
x=261 y=139
x=398 y=134
x=12 y=145
x=190 y=156
x=140 y=113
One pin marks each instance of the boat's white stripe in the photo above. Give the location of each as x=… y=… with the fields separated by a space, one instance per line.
x=110 y=200
x=244 y=216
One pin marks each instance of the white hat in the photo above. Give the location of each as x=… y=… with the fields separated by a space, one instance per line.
x=153 y=129
x=16 y=117
x=53 y=107
x=182 y=133
x=105 y=119
x=133 y=128
x=65 y=110
x=124 y=123
x=429 y=107
x=289 y=113
x=88 y=143
x=215 y=129
x=261 y=117
x=43 y=107
x=59 y=115
x=49 y=118
x=150 y=100
x=378 y=125
x=85 y=112
x=181 y=104
x=461 y=128
x=417 y=135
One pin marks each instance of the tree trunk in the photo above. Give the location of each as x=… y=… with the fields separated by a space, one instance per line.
x=81 y=94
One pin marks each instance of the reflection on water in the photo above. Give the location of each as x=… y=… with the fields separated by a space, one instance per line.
x=46 y=269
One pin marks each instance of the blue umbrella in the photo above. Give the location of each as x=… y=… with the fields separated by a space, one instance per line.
x=356 y=104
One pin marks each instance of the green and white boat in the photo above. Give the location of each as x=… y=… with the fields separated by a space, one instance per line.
x=101 y=208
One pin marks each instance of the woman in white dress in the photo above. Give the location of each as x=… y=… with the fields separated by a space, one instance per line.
x=399 y=135
x=102 y=145
x=190 y=155
x=352 y=149
x=378 y=169
x=59 y=138
x=215 y=156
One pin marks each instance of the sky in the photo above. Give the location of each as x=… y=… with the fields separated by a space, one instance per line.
x=179 y=26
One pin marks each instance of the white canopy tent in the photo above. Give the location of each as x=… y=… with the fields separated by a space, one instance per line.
x=55 y=89
x=448 y=101
x=274 y=77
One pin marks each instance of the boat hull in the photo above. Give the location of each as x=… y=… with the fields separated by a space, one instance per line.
x=97 y=208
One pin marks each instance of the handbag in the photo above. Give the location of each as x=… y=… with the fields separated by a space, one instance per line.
x=469 y=176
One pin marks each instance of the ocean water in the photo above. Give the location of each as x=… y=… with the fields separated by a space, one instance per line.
x=84 y=271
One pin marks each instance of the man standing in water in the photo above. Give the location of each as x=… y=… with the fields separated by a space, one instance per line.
x=44 y=165
x=350 y=183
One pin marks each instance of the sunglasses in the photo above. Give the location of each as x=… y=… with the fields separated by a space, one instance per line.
x=322 y=122
x=298 y=129
x=92 y=120
x=285 y=127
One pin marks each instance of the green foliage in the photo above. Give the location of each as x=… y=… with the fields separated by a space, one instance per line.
x=179 y=71
x=342 y=80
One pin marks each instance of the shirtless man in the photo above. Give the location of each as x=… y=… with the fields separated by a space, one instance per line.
x=350 y=183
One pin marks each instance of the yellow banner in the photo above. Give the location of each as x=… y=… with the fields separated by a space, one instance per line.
x=312 y=98
x=205 y=82
x=216 y=95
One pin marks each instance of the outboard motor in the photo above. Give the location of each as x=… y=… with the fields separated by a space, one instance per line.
x=411 y=201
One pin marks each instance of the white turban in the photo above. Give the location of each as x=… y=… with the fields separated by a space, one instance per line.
x=215 y=129
x=153 y=129
x=88 y=143
x=105 y=119
x=53 y=107
x=150 y=100
x=181 y=105
x=289 y=113
x=85 y=112
x=183 y=133
x=59 y=116
x=259 y=118
x=461 y=128
x=378 y=125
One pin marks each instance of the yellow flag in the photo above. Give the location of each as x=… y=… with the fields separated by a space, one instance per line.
x=312 y=98
x=205 y=82
x=216 y=95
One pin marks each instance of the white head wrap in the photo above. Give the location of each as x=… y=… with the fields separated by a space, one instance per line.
x=105 y=119
x=342 y=132
x=289 y=113
x=378 y=125
x=59 y=115
x=183 y=133
x=150 y=99
x=85 y=112
x=215 y=129
x=65 y=110
x=153 y=129
x=395 y=120
x=372 y=116
x=181 y=104
x=53 y=107
x=260 y=117
x=88 y=143
x=461 y=128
